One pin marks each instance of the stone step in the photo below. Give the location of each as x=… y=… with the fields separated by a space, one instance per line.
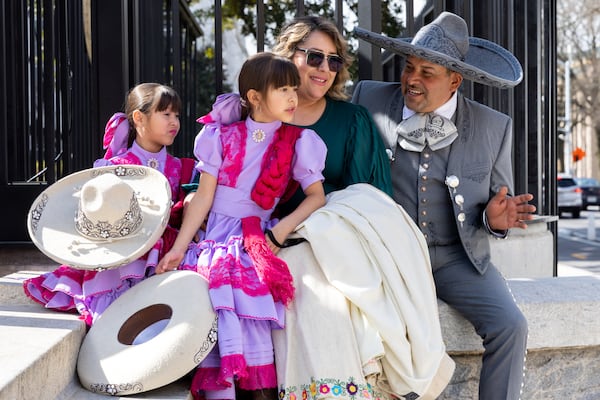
x=39 y=348
x=38 y=351
x=12 y=288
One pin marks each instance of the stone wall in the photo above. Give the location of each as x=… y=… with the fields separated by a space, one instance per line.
x=563 y=356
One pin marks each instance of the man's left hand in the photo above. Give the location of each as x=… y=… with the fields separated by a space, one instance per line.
x=504 y=212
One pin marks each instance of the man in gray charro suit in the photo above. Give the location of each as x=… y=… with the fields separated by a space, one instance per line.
x=451 y=171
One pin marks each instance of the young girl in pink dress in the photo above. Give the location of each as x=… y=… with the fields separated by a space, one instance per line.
x=245 y=168
x=139 y=137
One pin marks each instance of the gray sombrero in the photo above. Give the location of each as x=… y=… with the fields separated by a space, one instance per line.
x=446 y=42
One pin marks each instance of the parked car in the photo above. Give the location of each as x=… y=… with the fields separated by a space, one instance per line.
x=570 y=197
x=590 y=191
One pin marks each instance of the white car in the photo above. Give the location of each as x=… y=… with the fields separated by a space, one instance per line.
x=569 y=196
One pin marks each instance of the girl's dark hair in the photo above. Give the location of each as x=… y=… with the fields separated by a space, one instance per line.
x=262 y=72
x=149 y=98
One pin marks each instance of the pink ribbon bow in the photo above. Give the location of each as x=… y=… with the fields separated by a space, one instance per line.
x=116 y=133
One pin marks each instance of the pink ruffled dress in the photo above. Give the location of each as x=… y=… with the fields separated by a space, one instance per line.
x=245 y=302
x=91 y=292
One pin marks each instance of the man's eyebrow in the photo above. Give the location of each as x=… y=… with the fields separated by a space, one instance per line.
x=429 y=68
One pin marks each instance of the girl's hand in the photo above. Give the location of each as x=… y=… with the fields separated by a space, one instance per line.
x=280 y=235
x=169 y=262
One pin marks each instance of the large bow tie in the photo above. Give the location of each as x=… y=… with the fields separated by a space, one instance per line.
x=420 y=130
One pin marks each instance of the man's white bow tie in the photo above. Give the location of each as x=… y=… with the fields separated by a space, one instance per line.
x=430 y=129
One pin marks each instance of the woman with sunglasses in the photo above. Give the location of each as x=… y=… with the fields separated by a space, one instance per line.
x=355 y=152
x=344 y=334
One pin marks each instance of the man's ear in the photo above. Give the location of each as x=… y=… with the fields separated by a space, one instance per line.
x=456 y=80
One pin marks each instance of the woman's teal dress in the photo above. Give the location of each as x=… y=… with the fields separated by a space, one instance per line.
x=355 y=151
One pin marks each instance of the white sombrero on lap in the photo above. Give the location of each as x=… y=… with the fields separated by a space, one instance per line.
x=101 y=218
x=445 y=41
x=152 y=335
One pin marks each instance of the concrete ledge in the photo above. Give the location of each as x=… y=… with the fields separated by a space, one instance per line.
x=38 y=349
x=526 y=253
x=562 y=360
x=12 y=288
x=563 y=347
x=561 y=312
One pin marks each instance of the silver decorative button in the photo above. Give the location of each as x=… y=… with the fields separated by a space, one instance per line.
x=452 y=181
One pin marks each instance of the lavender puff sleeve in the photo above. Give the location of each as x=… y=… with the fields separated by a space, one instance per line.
x=208 y=150
x=309 y=160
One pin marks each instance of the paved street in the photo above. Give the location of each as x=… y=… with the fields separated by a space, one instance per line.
x=579 y=244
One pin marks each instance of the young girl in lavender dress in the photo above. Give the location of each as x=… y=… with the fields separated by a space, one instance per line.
x=139 y=137
x=245 y=168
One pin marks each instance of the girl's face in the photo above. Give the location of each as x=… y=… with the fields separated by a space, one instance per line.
x=156 y=130
x=279 y=104
x=315 y=82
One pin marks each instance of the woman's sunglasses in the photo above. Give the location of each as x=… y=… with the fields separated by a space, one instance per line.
x=314 y=58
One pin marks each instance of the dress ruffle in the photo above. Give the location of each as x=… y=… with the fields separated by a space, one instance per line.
x=89 y=292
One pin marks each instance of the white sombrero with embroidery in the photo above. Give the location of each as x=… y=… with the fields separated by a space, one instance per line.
x=445 y=41
x=101 y=218
x=152 y=335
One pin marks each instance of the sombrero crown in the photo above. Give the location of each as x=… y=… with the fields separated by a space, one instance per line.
x=446 y=42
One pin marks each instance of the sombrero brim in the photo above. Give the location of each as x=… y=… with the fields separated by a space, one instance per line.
x=112 y=362
x=51 y=225
x=486 y=62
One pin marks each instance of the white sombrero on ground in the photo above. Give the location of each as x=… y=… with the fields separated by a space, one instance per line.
x=446 y=41
x=111 y=363
x=101 y=218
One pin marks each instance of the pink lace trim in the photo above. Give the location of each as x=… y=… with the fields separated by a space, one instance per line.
x=229 y=271
x=259 y=377
x=233 y=140
x=206 y=379
x=233 y=365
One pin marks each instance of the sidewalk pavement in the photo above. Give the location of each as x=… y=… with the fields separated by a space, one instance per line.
x=581 y=233
x=23 y=256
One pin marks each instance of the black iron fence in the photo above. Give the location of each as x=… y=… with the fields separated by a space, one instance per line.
x=65 y=66
x=64 y=69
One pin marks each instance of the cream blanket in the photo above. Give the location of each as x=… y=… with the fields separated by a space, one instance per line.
x=364 y=323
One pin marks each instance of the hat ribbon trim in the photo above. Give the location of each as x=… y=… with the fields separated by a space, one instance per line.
x=122 y=228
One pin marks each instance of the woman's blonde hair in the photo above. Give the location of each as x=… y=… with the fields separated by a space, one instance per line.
x=297 y=31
